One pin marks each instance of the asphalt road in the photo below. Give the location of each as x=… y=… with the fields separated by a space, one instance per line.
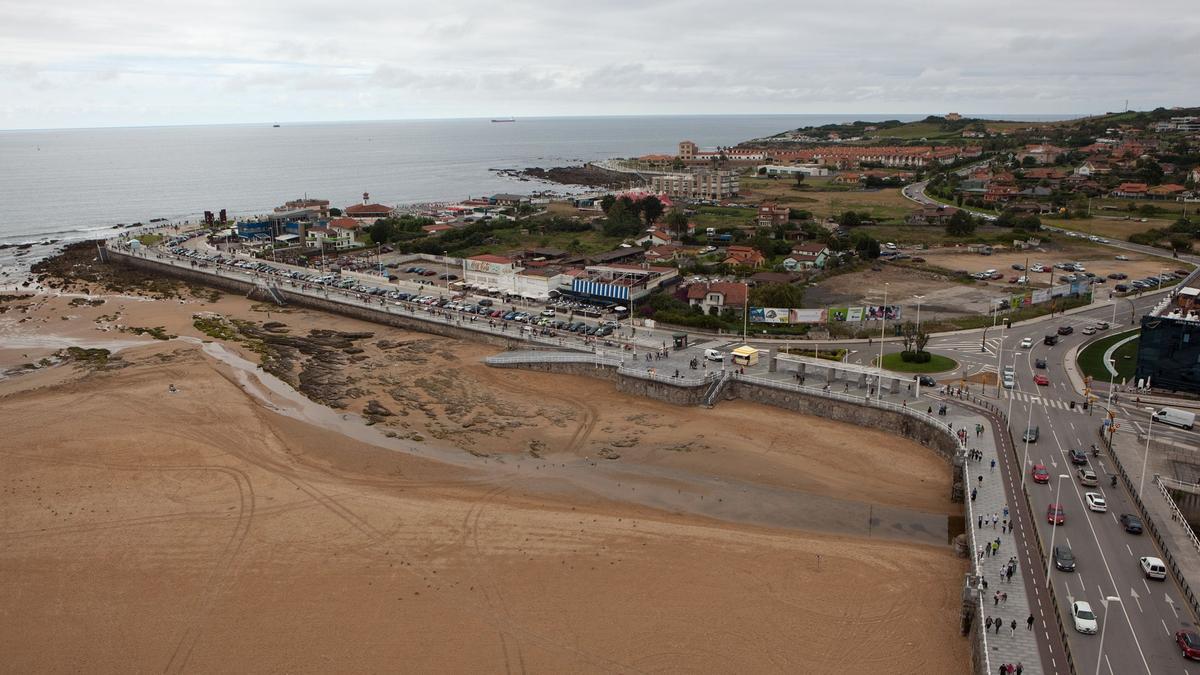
x=1139 y=628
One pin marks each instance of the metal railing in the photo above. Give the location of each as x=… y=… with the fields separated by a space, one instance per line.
x=1165 y=485
x=551 y=357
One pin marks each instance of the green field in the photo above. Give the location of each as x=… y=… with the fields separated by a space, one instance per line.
x=936 y=364
x=723 y=217
x=1091 y=358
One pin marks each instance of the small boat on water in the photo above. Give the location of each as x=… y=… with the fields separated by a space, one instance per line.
x=275 y=126
x=504 y=119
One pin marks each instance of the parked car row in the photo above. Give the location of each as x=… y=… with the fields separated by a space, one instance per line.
x=482 y=307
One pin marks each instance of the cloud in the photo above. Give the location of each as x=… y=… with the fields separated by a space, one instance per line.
x=377 y=59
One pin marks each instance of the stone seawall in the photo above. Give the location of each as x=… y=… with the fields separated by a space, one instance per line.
x=676 y=394
x=397 y=319
x=850 y=413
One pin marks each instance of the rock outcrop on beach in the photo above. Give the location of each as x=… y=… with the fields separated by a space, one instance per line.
x=588 y=175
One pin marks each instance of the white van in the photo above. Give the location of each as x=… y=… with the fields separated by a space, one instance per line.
x=1178 y=418
x=713 y=355
x=1153 y=568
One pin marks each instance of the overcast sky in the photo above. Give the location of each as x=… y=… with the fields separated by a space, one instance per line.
x=79 y=63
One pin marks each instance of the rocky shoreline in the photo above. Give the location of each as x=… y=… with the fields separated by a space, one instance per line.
x=587 y=175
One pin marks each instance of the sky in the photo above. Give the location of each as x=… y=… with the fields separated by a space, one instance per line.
x=82 y=63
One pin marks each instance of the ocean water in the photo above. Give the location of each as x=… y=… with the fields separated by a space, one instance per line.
x=68 y=184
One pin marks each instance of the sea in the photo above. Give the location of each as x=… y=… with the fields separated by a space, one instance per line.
x=62 y=185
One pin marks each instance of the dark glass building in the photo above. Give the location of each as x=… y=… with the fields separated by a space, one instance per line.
x=1169 y=354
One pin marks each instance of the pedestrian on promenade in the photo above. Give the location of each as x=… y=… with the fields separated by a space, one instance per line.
x=993 y=466
x=984 y=580
x=989 y=623
x=981 y=479
x=1029 y=623
x=1012 y=630
x=973 y=490
x=1020 y=668
x=995 y=519
x=999 y=624
x=1004 y=599
x=995 y=598
x=1003 y=669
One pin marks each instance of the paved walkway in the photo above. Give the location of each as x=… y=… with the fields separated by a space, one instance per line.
x=990 y=513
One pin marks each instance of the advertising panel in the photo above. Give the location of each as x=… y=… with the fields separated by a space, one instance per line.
x=486 y=267
x=854 y=314
x=768 y=315
x=807 y=315
x=837 y=313
x=1041 y=295
x=877 y=312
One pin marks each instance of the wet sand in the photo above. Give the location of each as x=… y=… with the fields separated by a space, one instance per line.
x=477 y=527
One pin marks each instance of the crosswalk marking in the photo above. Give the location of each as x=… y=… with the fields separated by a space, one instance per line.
x=1047 y=402
x=989 y=346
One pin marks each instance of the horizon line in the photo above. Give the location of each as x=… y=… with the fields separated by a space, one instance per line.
x=996 y=117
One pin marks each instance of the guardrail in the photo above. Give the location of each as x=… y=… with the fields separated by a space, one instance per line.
x=1165 y=485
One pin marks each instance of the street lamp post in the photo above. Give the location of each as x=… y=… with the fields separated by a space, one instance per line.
x=919 y=298
x=999 y=351
x=1100 y=654
x=1054 y=528
x=882 y=333
x=1025 y=460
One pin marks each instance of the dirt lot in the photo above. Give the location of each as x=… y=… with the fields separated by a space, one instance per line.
x=944 y=298
x=212 y=526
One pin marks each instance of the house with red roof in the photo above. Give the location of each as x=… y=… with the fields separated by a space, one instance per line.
x=655 y=236
x=747 y=256
x=714 y=297
x=663 y=253
x=1131 y=190
x=344 y=224
x=1166 y=191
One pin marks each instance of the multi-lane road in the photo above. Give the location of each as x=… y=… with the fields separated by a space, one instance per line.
x=1139 y=628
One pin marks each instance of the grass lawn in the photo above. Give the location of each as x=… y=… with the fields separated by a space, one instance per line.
x=937 y=364
x=149 y=239
x=723 y=216
x=1091 y=358
x=591 y=241
x=1112 y=227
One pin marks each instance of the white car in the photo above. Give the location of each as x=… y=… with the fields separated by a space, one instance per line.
x=1122 y=257
x=1027 y=343
x=1009 y=383
x=1153 y=568
x=1085 y=620
x=1095 y=501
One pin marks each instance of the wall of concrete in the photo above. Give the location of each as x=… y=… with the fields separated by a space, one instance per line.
x=660 y=391
x=845 y=411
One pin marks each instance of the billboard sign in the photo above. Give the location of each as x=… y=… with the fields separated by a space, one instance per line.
x=768 y=315
x=807 y=315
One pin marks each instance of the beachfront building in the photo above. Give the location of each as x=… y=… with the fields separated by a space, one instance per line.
x=620 y=283
x=319 y=206
x=501 y=274
x=339 y=238
x=368 y=211
x=707 y=184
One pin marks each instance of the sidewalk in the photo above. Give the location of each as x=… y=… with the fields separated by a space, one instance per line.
x=986 y=514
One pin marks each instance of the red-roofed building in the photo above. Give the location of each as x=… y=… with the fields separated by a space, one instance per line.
x=773 y=214
x=368 y=210
x=1166 y=191
x=663 y=253
x=1131 y=190
x=712 y=298
x=436 y=228
x=744 y=255
x=344 y=223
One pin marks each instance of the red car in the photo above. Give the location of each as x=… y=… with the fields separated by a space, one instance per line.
x=1189 y=643
x=1040 y=474
x=1041 y=380
x=1055 y=514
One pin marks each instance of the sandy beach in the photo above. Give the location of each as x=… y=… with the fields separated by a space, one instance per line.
x=417 y=509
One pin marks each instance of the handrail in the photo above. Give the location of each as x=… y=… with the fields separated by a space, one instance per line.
x=1176 y=513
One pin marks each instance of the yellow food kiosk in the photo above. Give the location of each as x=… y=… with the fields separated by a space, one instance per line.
x=745 y=356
